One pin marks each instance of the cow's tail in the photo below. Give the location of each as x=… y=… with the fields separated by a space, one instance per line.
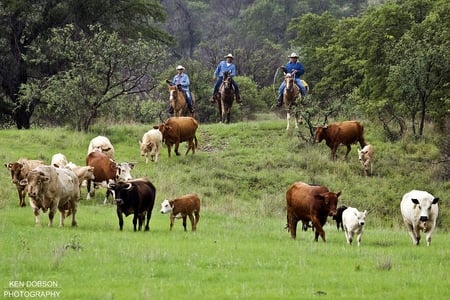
x=196 y=142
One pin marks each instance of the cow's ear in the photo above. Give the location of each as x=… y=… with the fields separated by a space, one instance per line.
x=435 y=200
x=131 y=165
x=415 y=201
x=23 y=182
x=45 y=179
x=338 y=194
x=155 y=126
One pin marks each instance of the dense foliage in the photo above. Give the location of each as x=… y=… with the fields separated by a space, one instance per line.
x=385 y=60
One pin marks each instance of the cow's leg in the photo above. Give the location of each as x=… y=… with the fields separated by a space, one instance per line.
x=197 y=217
x=74 y=211
x=149 y=215
x=184 y=222
x=319 y=230
x=135 y=220
x=359 y=238
x=88 y=186
x=169 y=148
x=62 y=215
x=191 y=218
x=172 y=219
x=21 y=191
x=411 y=232
x=428 y=237
x=119 y=215
x=177 y=145
x=348 y=151
x=37 y=219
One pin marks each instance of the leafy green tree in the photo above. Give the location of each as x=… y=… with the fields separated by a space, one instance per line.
x=28 y=23
x=100 y=69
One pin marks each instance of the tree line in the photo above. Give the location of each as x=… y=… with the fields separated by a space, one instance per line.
x=75 y=63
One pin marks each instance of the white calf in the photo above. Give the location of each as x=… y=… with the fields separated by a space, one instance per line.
x=59 y=160
x=365 y=156
x=353 y=221
x=151 y=143
x=101 y=144
x=420 y=211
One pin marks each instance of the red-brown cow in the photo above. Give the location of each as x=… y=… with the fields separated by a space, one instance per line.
x=183 y=207
x=106 y=169
x=19 y=171
x=346 y=133
x=177 y=130
x=306 y=203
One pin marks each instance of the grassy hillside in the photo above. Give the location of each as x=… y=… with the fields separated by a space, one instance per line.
x=240 y=249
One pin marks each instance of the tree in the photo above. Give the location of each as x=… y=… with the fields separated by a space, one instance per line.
x=27 y=23
x=100 y=68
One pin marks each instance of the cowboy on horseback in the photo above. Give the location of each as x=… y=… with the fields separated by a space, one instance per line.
x=295 y=68
x=181 y=80
x=222 y=67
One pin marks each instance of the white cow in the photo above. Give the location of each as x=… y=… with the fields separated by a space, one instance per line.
x=365 y=156
x=151 y=143
x=420 y=211
x=101 y=144
x=353 y=221
x=83 y=172
x=59 y=160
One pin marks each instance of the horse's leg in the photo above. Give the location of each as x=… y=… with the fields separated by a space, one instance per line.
x=296 y=120
x=288 y=117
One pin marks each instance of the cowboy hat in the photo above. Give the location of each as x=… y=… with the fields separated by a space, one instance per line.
x=229 y=55
x=293 y=55
x=180 y=67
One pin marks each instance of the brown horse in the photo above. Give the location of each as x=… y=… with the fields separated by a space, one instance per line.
x=226 y=98
x=178 y=102
x=290 y=96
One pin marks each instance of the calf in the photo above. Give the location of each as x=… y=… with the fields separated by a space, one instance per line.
x=101 y=144
x=419 y=211
x=346 y=133
x=151 y=143
x=19 y=171
x=306 y=203
x=353 y=221
x=83 y=172
x=59 y=160
x=182 y=207
x=52 y=189
x=338 y=216
x=135 y=197
x=177 y=130
x=106 y=170
x=365 y=156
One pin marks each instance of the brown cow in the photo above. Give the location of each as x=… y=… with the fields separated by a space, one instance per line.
x=106 y=169
x=306 y=203
x=177 y=130
x=182 y=207
x=19 y=171
x=346 y=133
x=53 y=189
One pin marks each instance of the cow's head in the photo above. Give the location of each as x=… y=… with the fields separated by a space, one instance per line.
x=425 y=205
x=121 y=190
x=320 y=133
x=361 y=216
x=16 y=172
x=166 y=207
x=34 y=182
x=123 y=171
x=330 y=201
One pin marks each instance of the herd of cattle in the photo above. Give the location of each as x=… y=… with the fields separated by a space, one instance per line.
x=57 y=186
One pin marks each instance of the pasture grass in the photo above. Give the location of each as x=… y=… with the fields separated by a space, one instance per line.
x=241 y=250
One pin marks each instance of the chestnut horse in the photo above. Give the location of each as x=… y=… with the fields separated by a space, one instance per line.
x=178 y=102
x=226 y=98
x=290 y=96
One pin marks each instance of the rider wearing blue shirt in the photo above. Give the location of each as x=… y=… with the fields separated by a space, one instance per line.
x=295 y=68
x=222 y=67
x=182 y=79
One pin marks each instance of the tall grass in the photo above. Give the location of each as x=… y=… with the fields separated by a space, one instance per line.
x=241 y=249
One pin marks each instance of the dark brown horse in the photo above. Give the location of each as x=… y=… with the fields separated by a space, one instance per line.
x=226 y=98
x=178 y=102
x=290 y=96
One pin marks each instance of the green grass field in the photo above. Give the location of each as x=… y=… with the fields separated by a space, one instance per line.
x=241 y=249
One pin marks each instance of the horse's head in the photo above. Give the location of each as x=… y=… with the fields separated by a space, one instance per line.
x=226 y=80
x=289 y=80
x=173 y=92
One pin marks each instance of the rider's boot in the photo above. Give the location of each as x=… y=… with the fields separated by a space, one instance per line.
x=191 y=109
x=170 y=110
x=238 y=98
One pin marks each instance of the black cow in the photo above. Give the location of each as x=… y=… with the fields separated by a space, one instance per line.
x=136 y=197
x=338 y=217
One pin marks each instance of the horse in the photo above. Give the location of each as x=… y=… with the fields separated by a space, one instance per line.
x=225 y=98
x=290 y=96
x=178 y=101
